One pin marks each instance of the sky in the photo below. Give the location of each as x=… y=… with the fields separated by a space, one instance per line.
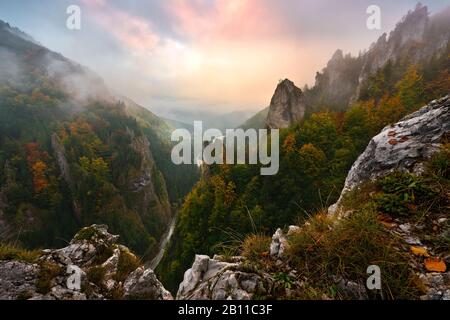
x=211 y=56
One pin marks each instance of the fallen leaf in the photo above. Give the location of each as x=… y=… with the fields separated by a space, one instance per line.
x=420 y=251
x=388 y=225
x=265 y=254
x=386 y=221
x=435 y=265
x=384 y=217
x=393 y=142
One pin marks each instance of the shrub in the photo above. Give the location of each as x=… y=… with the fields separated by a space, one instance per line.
x=400 y=192
x=128 y=262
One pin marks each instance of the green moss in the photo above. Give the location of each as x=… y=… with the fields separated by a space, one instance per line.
x=86 y=233
x=13 y=253
x=96 y=275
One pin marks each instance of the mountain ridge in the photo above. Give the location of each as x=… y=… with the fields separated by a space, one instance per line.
x=83 y=147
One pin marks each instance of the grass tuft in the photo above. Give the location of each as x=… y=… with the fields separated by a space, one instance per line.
x=8 y=253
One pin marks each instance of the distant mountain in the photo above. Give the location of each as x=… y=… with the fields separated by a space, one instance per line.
x=73 y=153
x=179 y=125
x=258 y=121
x=210 y=119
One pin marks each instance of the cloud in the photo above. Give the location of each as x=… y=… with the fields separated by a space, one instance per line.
x=133 y=31
x=220 y=55
x=224 y=53
x=231 y=20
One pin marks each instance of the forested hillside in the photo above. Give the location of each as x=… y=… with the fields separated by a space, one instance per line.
x=72 y=154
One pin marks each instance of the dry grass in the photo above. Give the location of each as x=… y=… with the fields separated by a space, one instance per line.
x=325 y=249
x=255 y=247
x=14 y=253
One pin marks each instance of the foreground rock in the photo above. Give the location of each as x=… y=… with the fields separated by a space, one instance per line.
x=213 y=279
x=92 y=266
x=403 y=146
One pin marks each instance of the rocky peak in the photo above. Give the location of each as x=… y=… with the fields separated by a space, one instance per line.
x=412 y=27
x=337 y=57
x=287 y=106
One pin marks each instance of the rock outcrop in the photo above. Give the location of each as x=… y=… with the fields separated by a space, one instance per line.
x=287 y=106
x=92 y=266
x=213 y=279
x=403 y=146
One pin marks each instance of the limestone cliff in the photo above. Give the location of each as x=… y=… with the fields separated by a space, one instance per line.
x=287 y=106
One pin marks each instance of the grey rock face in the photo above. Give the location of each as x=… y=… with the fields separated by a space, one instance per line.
x=287 y=106
x=437 y=285
x=17 y=279
x=278 y=244
x=64 y=168
x=143 y=284
x=403 y=146
x=142 y=184
x=210 y=279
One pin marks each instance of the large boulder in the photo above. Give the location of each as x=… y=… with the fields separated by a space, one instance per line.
x=143 y=284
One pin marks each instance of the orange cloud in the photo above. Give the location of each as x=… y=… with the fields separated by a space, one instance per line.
x=232 y=54
x=223 y=19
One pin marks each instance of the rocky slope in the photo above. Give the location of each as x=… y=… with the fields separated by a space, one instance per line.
x=287 y=106
x=92 y=266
